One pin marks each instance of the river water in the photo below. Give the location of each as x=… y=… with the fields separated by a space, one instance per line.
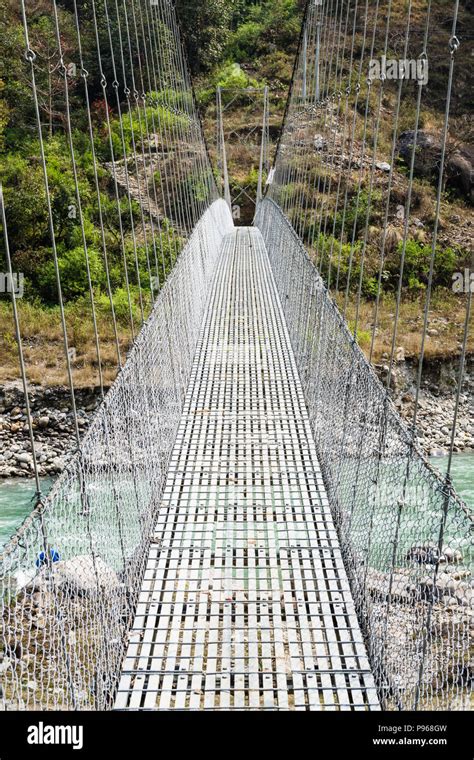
x=16 y=502
x=16 y=494
x=462 y=473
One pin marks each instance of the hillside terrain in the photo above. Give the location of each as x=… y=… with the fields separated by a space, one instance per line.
x=257 y=52
x=235 y=45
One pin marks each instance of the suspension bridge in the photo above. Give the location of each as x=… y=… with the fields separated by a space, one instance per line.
x=247 y=524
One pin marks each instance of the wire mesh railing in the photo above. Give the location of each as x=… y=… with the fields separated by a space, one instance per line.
x=406 y=536
x=70 y=576
x=339 y=218
x=136 y=198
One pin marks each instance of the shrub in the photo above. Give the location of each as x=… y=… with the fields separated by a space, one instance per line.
x=72 y=268
x=357 y=211
x=232 y=76
x=243 y=42
x=417 y=264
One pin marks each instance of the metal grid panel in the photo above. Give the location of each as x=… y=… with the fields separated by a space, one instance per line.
x=245 y=602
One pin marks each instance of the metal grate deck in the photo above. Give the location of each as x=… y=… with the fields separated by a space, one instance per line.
x=245 y=602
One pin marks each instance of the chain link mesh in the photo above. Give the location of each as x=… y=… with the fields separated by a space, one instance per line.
x=64 y=622
x=70 y=576
x=406 y=536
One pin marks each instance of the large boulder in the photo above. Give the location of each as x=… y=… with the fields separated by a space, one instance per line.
x=459 y=161
x=460 y=171
x=427 y=152
x=81 y=575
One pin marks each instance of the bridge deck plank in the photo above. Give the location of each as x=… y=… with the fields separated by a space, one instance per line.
x=245 y=602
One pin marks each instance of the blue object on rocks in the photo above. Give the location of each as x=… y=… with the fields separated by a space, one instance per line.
x=54 y=554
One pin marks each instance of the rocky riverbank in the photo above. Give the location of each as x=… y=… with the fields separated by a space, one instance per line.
x=437 y=401
x=54 y=426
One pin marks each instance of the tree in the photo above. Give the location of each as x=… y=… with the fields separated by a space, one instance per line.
x=206 y=27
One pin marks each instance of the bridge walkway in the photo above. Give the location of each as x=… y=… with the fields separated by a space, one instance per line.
x=245 y=602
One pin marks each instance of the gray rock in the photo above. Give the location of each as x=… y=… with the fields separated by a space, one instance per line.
x=445 y=582
x=425 y=554
x=427 y=152
x=400 y=354
x=452 y=555
x=464 y=594
x=438 y=453
x=80 y=575
x=460 y=170
x=23 y=458
x=400 y=213
x=319 y=142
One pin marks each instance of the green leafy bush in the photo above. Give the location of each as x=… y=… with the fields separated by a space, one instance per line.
x=73 y=271
x=417 y=264
x=243 y=43
x=357 y=211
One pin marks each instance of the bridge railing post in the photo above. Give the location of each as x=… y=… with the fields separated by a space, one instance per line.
x=221 y=150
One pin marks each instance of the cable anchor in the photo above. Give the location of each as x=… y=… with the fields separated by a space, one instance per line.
x=454 y=43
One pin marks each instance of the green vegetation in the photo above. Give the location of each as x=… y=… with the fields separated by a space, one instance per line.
x=262 y=34
x=21 y=169
x=416 y=267
x=28 y=218
x=104 y=228
x=232 y=44
x=229 y=77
